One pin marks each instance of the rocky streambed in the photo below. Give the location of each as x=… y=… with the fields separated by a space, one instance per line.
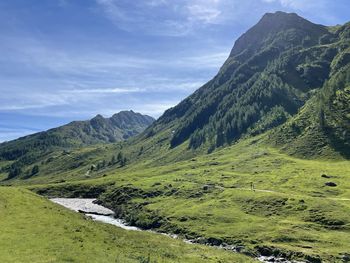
x=89 y=207
x=97 y=212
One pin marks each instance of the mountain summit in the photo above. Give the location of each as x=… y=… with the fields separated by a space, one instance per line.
x=119 y=127
x=281 y=29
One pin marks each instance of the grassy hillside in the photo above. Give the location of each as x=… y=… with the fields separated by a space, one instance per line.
x=300 y=208
x=35 y=230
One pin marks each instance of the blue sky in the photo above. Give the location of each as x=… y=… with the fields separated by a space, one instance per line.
x=64 y=60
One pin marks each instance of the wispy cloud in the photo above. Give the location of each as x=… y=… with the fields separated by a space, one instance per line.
x=136 y=16
x=103 y=91
x=174 y=18
x=42 y=99
x=204 y=11
x=36 y=55
x=66 y=82
x=66 y=62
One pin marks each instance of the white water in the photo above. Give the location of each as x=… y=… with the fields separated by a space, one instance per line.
x=113 y=221
x=95 y=211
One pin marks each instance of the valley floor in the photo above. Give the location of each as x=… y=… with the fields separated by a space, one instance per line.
x=298 y=208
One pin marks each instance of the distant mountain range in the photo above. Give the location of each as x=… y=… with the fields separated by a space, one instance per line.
x=119 y=127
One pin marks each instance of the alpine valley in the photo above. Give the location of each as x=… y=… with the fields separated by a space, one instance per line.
x=256 y=161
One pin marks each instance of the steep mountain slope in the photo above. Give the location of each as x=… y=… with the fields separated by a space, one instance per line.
x=273 y=69
x=322 y=127
x=27 y=150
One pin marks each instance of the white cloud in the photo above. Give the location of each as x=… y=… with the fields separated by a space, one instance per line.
x=205 y=11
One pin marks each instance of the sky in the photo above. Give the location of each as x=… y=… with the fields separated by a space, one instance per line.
x=65 y=60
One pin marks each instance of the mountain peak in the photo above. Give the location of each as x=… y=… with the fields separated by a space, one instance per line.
x=76 y=134
x=272 y=24
x=280 y=15
x=98 y=117
x=281 y=19
x=125 y=112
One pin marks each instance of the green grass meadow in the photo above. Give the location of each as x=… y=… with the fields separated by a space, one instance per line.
x=292 y=210
x=35 y=230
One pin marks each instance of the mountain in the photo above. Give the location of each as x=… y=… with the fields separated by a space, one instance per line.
x=29 y=149
x=286 y=78
x=273 y=70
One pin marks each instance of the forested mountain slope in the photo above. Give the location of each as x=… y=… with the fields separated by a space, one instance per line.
x=272 y=71
x=322 y=126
